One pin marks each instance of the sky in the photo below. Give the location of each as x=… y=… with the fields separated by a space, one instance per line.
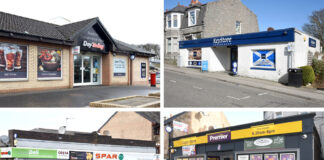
x=278 y=14
x=85 y=120
x=126 y=20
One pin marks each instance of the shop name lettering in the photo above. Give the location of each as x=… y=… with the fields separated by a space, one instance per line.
x=106 y=156
x=63 y=152
x=93 y=45
x=255 y=133
x=218 y=137
x=222 y=40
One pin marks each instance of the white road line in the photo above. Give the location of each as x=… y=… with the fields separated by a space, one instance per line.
x=261 y=94
x=196 y=87
x=246 y=97
x=173 y=81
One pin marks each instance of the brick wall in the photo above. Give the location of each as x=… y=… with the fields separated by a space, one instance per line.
x=32 y=83
x=137 y=79
x=118 y=80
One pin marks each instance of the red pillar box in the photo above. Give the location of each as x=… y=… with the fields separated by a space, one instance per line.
x=153 y=79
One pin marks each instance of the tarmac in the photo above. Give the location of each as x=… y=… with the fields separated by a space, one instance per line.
x=302 y=92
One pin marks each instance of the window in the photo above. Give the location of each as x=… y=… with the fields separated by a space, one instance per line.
x=192 y=18
x=238 y=27
x=264 y=59
x=278 y=114
x=175 y=21
x=188 y=37
x=169 y=45
x=169 y=21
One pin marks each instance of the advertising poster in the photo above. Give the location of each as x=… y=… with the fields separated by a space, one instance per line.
x=189 y=150
x=256 y=157
x=143 y=70
x=287 y=156
x=49 y=63
x=180 y=126
x=34 y=153
x=81 y=155
x=119 y=67
x=13 y=62
x=243 y=157
x=264 y=58
x=271 y=157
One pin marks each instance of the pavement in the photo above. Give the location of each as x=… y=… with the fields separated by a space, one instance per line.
x=221 y=89
x=75 y=97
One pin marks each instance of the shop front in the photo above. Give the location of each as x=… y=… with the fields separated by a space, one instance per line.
x=45 y=56
x=290 y=138
x=264 y=55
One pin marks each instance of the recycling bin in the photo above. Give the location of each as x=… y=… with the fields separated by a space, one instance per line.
x=295 y=77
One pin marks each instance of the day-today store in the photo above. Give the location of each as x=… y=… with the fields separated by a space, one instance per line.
x=76 y=54
x=290 y=138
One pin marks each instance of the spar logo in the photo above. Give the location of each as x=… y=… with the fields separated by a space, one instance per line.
x=93 y=45
x=109 y=156
x=6 y=153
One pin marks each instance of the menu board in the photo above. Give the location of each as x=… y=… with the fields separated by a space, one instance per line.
x=49 y=63
x=256 y=157
x=13 y=62
x=287 y=156
x=271 y=157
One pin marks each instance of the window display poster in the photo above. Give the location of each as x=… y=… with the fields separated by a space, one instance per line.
x=264 y=59
x=256 y=157
x=13 y=61
x=271 y=157
x=243 y=157
x=189 y=150
x=49 y=63
x=119 y=67
x=287 y=156
x=143 y=70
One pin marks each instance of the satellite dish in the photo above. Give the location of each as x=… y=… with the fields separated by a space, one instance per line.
x=4 y=139
x=62 y=130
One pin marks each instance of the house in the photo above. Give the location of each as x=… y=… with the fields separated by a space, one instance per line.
x=133 y=125
x=196 y=21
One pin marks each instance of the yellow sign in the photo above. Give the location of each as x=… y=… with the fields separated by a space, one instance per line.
x=254 y=131
x=268 y=129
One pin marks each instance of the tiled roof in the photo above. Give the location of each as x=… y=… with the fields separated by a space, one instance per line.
x=151 y=116
x=178 y=8
x=69 y=30
x=122 y=46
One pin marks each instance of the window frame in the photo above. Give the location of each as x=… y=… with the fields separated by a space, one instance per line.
x=195 y=17
x=238 y=27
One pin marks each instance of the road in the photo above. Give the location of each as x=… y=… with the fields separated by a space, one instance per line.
x=76 y=97
x=185 y=90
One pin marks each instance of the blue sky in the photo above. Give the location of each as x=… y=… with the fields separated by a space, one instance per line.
x=278 y=14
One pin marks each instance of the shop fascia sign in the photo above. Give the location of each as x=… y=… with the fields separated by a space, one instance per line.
x=312 y=42
x=254 y=131
x=12 y=152
x=104 y=155
x=223 y=41
x=264 y=143
x=93 y=45
x=219 y=137
x=6 y=152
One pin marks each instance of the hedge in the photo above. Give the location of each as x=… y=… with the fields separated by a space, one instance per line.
x=308 y=74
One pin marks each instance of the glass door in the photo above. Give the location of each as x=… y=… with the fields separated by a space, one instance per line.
x=77 y=69
x=86 y=69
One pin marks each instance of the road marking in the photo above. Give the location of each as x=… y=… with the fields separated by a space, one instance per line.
x=261 y=94
x=246 y=97
x=173 y=81
x=196 y=87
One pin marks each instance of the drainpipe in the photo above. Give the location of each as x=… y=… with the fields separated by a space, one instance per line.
x=131 y=57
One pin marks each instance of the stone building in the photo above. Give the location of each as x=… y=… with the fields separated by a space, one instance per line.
x=186 y=123
x=196 y=21
x=133 y=125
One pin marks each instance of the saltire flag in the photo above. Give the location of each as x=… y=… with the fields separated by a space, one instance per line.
x=264 y=58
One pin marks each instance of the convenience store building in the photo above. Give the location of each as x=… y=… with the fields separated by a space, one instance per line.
x=289 y=138
x=36 y=55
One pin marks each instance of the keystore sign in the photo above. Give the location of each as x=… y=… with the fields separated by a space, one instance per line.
x=219 y=137
x=312 y=42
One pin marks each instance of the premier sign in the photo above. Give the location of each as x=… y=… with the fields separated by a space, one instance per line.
x=219 y=137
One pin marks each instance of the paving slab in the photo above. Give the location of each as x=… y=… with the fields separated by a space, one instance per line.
x=128 y=102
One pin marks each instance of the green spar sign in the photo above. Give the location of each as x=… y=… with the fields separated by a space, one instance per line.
x=34 y=153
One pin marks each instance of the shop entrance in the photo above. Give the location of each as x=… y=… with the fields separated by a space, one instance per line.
x=87 y=70
x=234 y=56
x=220 y=156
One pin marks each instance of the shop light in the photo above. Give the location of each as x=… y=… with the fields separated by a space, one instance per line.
x=304 y=136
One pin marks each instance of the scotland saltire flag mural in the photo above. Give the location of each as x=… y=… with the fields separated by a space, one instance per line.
x=264 y=58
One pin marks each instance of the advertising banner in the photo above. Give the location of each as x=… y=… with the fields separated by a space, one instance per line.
x=34 y=153
x=81 y=155
x=287 y=156
x=5 y=153
x=219 y=137
x=90 y=40
x=13 y=62
x=180 y=126
x=271 y=157
x=264 y=59
x=256 y=157
x=189 y=150
x=49 y=63
x=119 y=67
x=123 y=156
x=264 y=143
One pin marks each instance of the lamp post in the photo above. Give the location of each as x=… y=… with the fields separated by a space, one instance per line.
x=169 y=129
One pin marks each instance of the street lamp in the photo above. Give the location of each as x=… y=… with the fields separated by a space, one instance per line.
x=169 y=129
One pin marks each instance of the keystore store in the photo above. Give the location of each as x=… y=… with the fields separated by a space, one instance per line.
x=289 y=138
x=42 y=56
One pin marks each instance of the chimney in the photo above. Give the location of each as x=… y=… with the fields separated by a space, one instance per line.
x=192 y=2
x=270 y=29
x=178 y=3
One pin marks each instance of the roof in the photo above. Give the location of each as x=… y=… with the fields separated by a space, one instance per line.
x=154 y=117
x=169 y=120
x=55 y=131
x=124 y=47
x=275 y=121
x=69 y=30
x=178 y=8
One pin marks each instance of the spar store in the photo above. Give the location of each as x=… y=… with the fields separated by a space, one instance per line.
x=289 y=138
x=49 y=144
x=264 y=55
x=36 y=55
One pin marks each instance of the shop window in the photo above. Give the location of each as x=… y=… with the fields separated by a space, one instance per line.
x=175 y=21
x=271 y=157
x=169 y=21
x=238 y=27
x=192 y=18
x=143 y=70
x=264 y=59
